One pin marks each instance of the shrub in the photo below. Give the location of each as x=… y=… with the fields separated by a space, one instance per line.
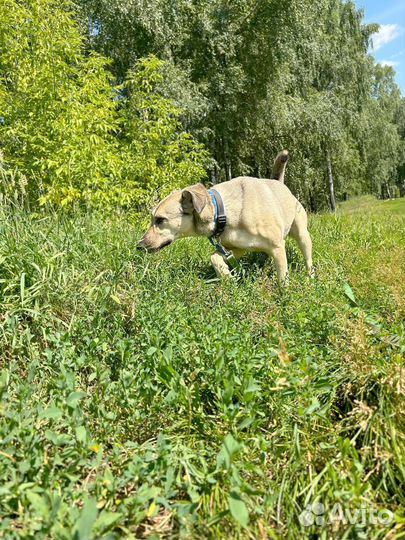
x=75 y=135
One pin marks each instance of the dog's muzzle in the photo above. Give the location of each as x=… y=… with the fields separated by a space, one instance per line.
x=141 y=245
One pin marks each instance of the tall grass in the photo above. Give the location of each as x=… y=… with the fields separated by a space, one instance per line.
x=142 y=399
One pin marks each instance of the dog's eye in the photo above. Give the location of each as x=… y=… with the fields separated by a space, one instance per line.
x=159 y=220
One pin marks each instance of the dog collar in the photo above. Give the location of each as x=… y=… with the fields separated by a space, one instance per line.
x=220 y=216
x=220 y=223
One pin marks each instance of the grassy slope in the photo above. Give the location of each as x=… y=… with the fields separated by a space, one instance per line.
x=138 y=400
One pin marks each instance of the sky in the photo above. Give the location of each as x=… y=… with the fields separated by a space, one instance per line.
x=389 y=42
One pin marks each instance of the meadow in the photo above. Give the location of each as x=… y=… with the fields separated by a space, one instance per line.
x=143 y=398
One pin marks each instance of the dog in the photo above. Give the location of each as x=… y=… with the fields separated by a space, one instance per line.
x=259 y=213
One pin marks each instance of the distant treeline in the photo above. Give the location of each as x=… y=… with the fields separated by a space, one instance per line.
x=109 y=102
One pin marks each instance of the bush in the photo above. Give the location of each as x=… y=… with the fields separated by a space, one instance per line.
x=75 y=135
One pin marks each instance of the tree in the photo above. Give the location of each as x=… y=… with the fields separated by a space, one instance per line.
x=245 y=78
x=380 y=125
x=265 y=74
x=73 y=133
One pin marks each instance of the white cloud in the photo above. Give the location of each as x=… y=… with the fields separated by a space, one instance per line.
x=390 y=63
x=386 y=34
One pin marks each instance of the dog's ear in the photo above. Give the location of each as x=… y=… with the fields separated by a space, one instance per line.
x=194 y=198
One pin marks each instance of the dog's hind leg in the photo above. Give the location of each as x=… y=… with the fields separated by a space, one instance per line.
x=299 y=231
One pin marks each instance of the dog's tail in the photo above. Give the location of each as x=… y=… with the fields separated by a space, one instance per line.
x=279 y=165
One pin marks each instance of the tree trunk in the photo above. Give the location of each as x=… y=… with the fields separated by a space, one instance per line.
x=228 y=171
x=331 y=184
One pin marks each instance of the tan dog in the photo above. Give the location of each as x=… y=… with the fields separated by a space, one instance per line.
x=259 y=213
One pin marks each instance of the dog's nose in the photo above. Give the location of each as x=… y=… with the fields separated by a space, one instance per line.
x=140 y=245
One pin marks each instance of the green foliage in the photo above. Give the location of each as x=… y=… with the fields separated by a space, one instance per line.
x=265 y=76
x=74 y=135
x=379 y=123
x=157 y=155
x=107 y=129
x=138 y=400
x=140 y=397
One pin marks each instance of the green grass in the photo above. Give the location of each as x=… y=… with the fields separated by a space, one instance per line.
x=370 y=205
x=139 y=399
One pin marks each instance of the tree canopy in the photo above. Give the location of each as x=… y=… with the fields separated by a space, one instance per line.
x=244 y=79
x=70 y=130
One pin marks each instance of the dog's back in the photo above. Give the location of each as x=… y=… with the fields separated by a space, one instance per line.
x=258 y=204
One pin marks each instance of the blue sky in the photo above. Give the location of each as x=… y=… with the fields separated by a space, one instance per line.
x=389 y=42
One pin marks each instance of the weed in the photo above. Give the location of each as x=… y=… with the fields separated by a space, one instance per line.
x=140 y=400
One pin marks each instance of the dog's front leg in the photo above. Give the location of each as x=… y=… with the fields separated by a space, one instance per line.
x=220 y=265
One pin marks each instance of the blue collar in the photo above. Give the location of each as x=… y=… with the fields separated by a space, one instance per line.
x=220 y=223
x=220 y=216
x=214 y=202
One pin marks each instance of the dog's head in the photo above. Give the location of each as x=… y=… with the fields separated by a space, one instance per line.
x=183 y=213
